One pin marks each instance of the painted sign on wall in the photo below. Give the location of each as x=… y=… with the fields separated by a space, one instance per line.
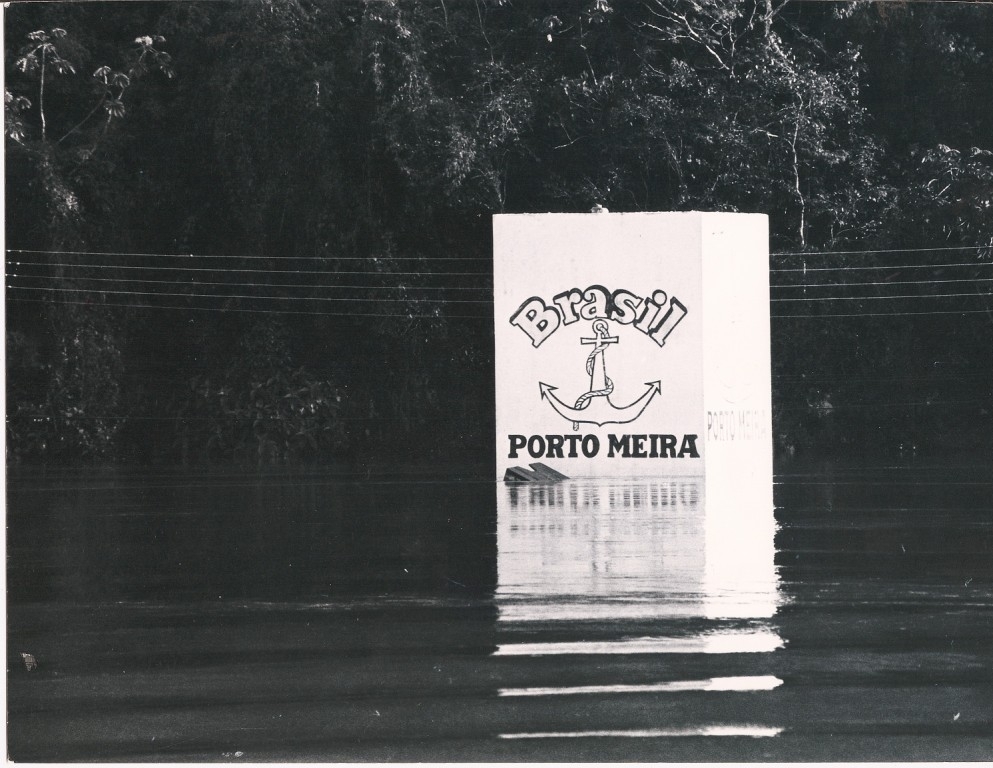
x=630 y=344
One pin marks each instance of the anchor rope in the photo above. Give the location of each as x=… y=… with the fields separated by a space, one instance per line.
x=583 y=401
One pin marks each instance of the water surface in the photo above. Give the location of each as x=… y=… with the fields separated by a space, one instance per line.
x=305 y=617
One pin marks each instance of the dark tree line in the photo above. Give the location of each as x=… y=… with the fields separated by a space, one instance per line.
x=330 y=169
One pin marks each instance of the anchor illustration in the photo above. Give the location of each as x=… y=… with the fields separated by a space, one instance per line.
x=595 y=405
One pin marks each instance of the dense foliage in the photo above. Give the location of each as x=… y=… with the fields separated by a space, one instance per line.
x=330 y=169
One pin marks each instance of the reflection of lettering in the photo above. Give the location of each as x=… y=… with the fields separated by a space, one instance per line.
x=634 y=495
x=656 y=316
x=747 y=424
x=625 y=446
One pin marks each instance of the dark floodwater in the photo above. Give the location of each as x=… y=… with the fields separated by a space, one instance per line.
x=301 y=617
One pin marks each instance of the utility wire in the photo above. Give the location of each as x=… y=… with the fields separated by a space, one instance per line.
x=178 y=281
x=882 y=250
x=116 y=305
x=331 y=273
x=239 y=296
x=890 y=314
x=908 y=2
x=800 y=378
x=181 y=281
x=871 y=298
x=885 y=266
x=441 y=274
x=387 y=314
x=254 y=417
x=228 y=269
x=240 y=257
x=436 y=301
x=151 y=254
x=882 y=282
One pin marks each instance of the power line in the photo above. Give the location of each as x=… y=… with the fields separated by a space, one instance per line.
x=219 y=417
x=145 y=254
x=440 y=274
x=178 y=281
x=885 y=266
x=436 y=301
x=884 y=283
x=238 y=295
x=15 y=275
x=485 y=317
x=907 y=2
x=254 y=417
x=229 y=269
x=890 y=314
x=871 y=298
x=153 y=254
x=94 y=2
x=252 y=311
x=887 y=404
x=837 y=378
x=881 y=250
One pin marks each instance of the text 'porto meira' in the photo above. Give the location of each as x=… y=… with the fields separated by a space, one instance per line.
x=648 y=446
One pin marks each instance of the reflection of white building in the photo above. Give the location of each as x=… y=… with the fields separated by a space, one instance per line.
x=647 y=569
x=599 y=549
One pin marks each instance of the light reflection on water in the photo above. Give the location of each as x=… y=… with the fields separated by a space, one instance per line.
x=596 y=569
x=740 y=683
x=757 y=639
x=753 y=731
x=636 y=549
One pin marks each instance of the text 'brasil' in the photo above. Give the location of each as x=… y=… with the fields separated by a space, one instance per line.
x=656 y=316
